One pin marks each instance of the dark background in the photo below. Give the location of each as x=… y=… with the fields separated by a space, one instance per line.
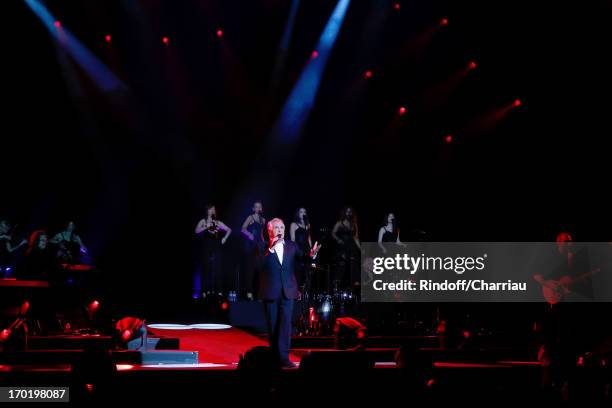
x=136 y=168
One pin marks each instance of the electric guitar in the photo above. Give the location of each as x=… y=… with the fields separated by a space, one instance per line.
x=554 y=290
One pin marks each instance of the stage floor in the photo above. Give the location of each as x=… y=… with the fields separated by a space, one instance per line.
x=216 y=347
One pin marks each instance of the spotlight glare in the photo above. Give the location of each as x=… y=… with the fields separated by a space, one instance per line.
x=57 y=24
x=401 y=111
x=315 y=54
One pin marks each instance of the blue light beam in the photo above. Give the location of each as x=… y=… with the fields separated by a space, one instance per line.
x=294 y=114
x=102 y=77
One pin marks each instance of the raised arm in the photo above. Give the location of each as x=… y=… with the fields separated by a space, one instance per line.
x=82 y=246
x=356 y=237
x=244 y=229
x=57 y=238
x=10 y=248
x=225 y=228
x=201 y=226
x=381 y=233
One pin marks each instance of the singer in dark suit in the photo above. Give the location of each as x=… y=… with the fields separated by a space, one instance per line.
x=278 y=286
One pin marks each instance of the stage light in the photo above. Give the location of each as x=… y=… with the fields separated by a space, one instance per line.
x=129 y=329
x=314 y=54
x=368 y=74
x=224 y=306
x=448 y=138
x=349 y=333
x=466 y=334
x=89 y=387
x=516 y=103
x=124 y=367
x=220 y=33
x=165 y=40
x=94 y=305
x=401 y=111
x=107 y=38
x=444 y=22
x=5 y=334
x=472 y=65
x=25 y=306
x=57 y=24
x=397 y=6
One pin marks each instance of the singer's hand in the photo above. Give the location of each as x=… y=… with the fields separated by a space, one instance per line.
x=276 y=239
x=315 y=249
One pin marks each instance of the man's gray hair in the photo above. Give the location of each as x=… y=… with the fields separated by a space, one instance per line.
x=274 y=221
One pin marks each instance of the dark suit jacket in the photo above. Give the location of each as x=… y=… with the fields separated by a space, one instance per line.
x=276 y=279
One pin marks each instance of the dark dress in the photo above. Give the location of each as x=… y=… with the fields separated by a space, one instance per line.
x=301 y=240
x=5 y=258
x=347 y=256
x=211 y=259
x=68 y=250
x=389 y=238
x=38 y=264
x=251 y=250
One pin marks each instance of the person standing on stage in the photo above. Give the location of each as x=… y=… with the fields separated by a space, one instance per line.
x=7 y=249
x=39 y=262
x=346 y=235
x=278 y=286
x=214 y=233
x=299 y=232
x=388 y=233
x=70 y=247
x=253 y=231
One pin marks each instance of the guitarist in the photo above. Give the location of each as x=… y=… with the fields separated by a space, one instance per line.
x=561 y=321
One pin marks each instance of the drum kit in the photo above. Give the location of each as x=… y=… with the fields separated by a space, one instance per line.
x=323 y=299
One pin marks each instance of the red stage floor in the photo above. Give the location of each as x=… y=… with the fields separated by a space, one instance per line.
x=220 y=346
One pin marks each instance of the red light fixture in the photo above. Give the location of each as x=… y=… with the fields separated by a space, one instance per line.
x=401 y=110
x=448 y=138
x=224 y=306
x=444 y=22
x=315 y=54
x=220 y=33
x=472 y=65
x=516 y=103
x=368 y=74
x=57 y=24
x=165 y=40
x=397 y=6
x=107 y=38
